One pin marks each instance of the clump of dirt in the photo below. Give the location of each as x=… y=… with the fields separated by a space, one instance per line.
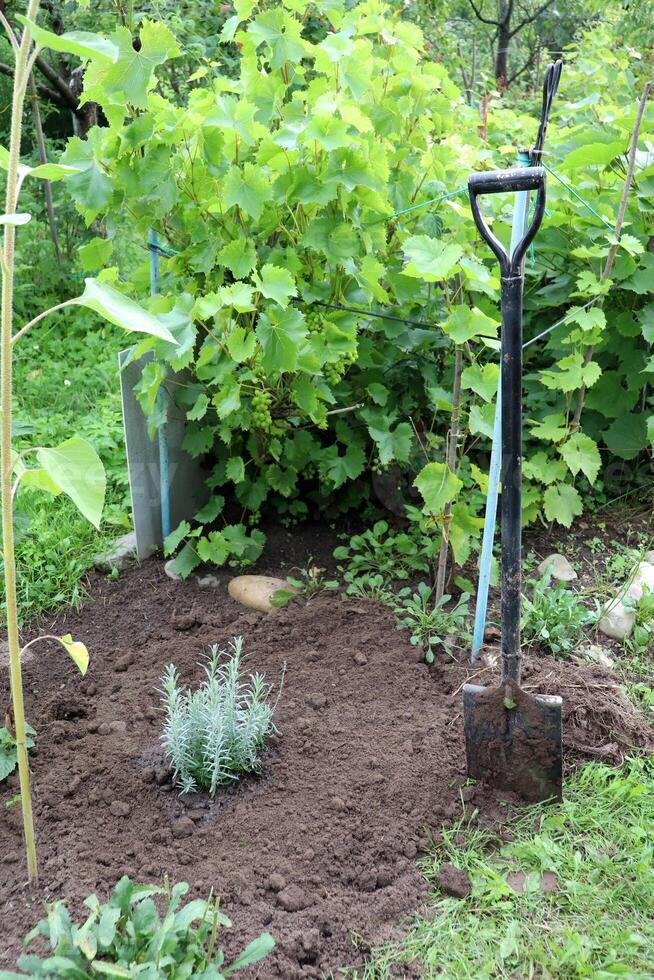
x=369 y=763
x=599 y=720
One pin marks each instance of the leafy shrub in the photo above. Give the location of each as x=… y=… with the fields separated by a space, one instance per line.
x=277 y=185
x=554 y=615
x=215 y=734
x=128 y=937
x=429 y=620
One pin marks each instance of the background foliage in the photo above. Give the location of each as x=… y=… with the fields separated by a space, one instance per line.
x=270 y=155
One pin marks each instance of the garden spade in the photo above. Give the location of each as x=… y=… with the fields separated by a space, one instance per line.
x=513 y=739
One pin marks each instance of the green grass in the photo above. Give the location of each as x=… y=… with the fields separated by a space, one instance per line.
x=599 y=923
x=66 y=382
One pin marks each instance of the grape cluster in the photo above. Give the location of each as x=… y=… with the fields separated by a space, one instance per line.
x=335 y=370
x=261 y=401
x=314 y=321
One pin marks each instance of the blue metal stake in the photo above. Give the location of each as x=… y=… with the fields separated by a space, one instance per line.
x=490 y=517
x=164 y=485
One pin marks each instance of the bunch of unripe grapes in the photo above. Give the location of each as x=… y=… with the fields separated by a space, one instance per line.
x=314 y=320
x=335 y=370
x=261 y=401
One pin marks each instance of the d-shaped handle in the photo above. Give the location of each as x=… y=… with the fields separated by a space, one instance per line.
x=511 y=181
x=550 y=85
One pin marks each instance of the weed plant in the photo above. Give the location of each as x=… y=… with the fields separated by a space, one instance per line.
x=396 y=555
x=215 y=734
x=555 y=616
x=128 y=937
x=430 y=621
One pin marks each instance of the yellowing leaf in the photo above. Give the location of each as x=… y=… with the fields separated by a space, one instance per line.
x=76 y=651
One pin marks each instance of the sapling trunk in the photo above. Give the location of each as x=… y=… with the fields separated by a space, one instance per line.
x=6 y=461
x=450 y=459
x=610 y=258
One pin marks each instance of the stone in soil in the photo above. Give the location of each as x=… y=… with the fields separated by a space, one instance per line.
x=452 y=881
x=256 y=591
x=618 y=621
x=119 y=554
x=559 y=566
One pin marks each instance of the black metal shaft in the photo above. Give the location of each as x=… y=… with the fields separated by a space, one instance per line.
x=512 y=289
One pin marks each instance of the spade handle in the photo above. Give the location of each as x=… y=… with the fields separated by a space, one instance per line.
x=512 y=285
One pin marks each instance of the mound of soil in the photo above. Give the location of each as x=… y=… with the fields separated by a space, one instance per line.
x=320 y=849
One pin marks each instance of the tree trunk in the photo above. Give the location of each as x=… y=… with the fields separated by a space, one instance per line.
x=502 y=57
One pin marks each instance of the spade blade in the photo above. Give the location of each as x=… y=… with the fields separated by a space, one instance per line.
x=513 y=740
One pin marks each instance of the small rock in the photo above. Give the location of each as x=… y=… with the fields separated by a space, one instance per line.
x=169 y=569
x=120 y=809
x=559 y=566
x=208 y=581
x=119 y=727
x=618 y=621
x=643 y=581
x=598 y=655
x=292 y=899
x=255 y=591
x=104 y=729
x=183 y=827
x=120 y=553
x=453 y=882
x=338 y=804
x=360 y=658
x=276 y=882
x=317 y=700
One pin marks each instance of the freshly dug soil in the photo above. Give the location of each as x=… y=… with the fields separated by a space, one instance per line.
x=318 y=850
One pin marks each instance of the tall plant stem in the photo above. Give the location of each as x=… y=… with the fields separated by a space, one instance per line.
x=6 y=310
x=450 y=459
x=610 y=258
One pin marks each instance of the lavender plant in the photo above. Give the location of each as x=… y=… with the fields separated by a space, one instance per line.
x=215 y=734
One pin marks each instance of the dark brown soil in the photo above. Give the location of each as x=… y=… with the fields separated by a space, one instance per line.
x=321 y=847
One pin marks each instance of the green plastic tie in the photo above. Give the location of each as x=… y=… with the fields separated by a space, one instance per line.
x=416 y=207
x=574 y=193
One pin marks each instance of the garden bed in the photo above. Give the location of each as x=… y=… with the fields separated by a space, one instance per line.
x=321 y=847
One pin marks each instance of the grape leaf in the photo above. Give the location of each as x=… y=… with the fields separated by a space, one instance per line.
x=438 y=486
x=562 y=504
x=276 y=284
x=431 y=259
x=580 y=452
